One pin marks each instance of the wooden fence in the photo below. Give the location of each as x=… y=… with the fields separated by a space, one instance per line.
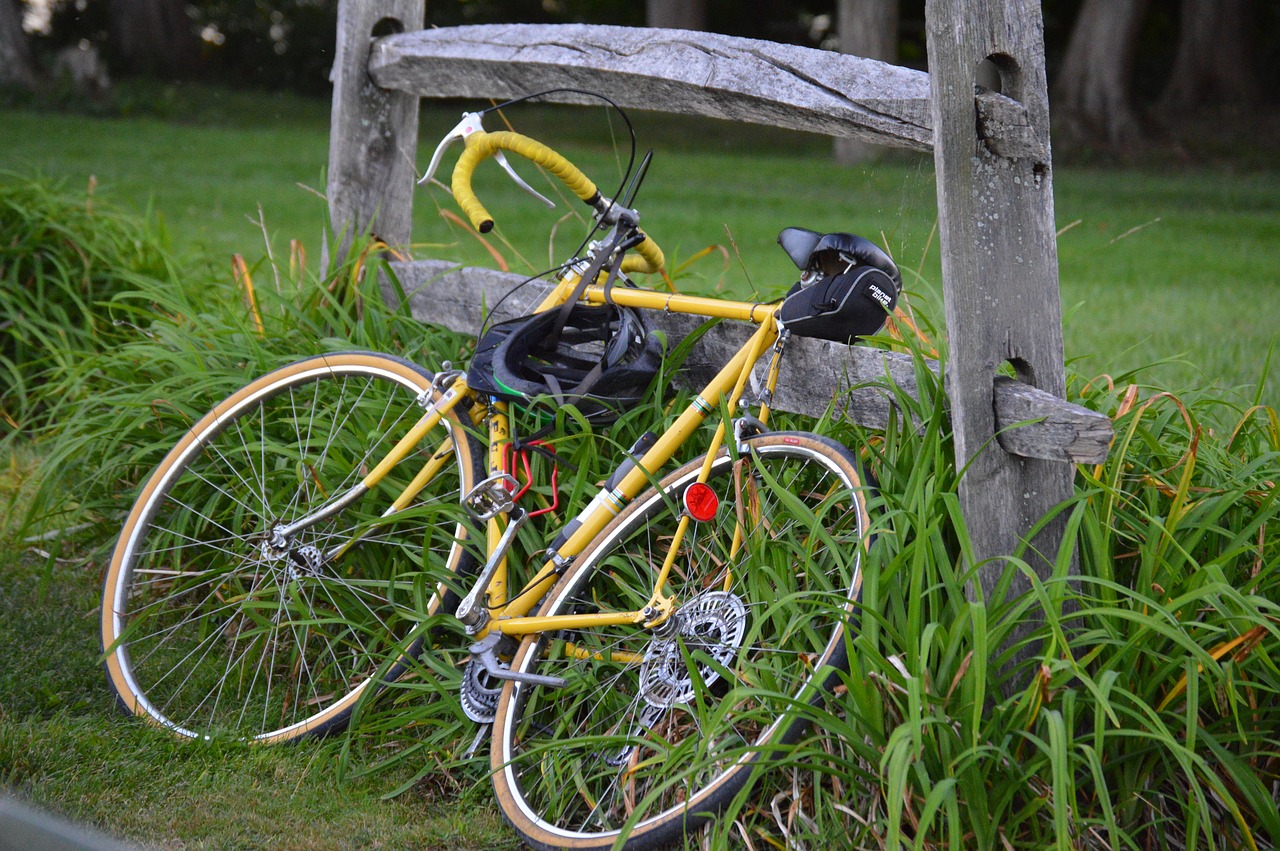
x=1017 y=440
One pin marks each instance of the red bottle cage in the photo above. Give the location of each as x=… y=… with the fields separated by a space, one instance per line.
x=512 y=453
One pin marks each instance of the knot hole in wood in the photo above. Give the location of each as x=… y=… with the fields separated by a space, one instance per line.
x=1019 y=369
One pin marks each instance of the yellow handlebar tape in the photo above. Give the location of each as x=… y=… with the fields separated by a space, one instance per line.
x=481 y=145
x=467 y=200
x=648 y=257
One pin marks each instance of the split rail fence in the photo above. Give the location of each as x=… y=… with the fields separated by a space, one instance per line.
x=1017 y=440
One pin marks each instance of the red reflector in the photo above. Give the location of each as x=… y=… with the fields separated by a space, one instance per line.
x=701 y=501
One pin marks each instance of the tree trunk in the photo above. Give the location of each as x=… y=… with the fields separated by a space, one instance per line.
x=676 y=14
x=1091 y=97
x=1214 y=64
x=867 y=28
x=152 y=37
x=17 y=68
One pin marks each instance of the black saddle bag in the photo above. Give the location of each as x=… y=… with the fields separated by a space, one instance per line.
x=841 y=307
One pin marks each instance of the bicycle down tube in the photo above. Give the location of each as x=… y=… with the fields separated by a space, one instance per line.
x=513 y=613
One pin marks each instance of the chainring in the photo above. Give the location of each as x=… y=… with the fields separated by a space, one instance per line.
x=479 y=693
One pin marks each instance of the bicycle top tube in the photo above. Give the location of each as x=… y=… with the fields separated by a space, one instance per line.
x=756 y=312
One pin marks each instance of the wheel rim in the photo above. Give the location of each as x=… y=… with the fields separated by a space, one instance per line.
x=213 y=630
x=653 y=725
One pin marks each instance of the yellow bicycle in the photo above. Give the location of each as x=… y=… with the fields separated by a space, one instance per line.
x=638 y=669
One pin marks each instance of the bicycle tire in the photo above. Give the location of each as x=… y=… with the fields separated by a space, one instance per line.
x=636 y=749
x=210 y=631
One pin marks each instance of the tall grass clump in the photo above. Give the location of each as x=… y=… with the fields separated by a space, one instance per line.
x=165 y=349
x=1148 y=712
x=1142 y=713
x=1132 y=700
x=63 y=258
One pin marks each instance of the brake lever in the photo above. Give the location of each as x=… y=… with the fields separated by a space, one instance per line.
x=471 y=123
x=502 y=161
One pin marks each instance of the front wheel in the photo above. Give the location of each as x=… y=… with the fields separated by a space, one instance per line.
x=215 y=623
x=657 y=729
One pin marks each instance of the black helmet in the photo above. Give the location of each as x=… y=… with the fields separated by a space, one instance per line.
x=848 y=286
x=602 y=361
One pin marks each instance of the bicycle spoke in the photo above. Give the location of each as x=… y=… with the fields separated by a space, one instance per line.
x=682 y=711
x=222 y=626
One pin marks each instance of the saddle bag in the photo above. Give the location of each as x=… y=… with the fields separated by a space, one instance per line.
x=841 y=307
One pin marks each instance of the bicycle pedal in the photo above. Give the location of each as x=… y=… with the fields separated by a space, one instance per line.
x=491 y=497
x=483 y=653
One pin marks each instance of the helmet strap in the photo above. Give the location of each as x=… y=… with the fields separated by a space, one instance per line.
x=588 y=277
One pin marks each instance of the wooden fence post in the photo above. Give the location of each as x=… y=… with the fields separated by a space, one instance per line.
x=373 y=133
x=999 y=267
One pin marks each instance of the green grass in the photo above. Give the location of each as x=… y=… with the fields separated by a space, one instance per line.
x=65 y=747
x=1172 y=266
x=1146 y=718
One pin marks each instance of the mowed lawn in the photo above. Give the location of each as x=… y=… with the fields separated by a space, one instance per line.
x=1169 y=265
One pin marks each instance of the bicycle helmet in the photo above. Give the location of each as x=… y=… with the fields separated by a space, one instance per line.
x=602 y=361
x=848 y=286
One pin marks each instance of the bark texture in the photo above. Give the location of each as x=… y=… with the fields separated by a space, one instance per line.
x=1091 y=99
x=373 y=132
x=708 y=74
x=1215 y=60
x=1000 y=282
x=152 y=37
x=676 y=14
x=16 y=65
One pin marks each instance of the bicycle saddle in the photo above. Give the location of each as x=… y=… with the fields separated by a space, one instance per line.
x=804 y=246
x=848 y=286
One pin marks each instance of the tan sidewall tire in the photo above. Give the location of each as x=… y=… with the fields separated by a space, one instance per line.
x=401 y=370
x=665 y=827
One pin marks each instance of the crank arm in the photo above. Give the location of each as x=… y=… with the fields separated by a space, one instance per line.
x=483 y=653
x=471 y=611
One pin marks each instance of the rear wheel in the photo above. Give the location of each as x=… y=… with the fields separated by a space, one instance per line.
x=657 y=729
x=214 y=623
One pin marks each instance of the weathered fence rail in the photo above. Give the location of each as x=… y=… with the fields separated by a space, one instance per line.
x=667 y=70
x=1016 y=439
x=816 y=374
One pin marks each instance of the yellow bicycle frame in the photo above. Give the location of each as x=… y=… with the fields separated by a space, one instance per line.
x=510 y=613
